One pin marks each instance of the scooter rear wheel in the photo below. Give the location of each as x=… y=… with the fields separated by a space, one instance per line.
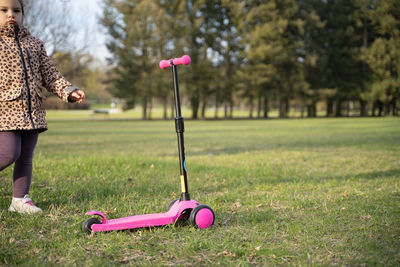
x=87 y=225
x=202 y=216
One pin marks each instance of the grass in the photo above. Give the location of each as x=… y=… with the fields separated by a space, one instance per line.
x=285 y=192
x=157 y=113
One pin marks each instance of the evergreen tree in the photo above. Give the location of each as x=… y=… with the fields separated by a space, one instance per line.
x=383 y=57
x=191 y=24
x=343 y=41
x=363 y=14
x=310 y=56
x=273 y=68
x=301 y=51
x=134 y=44
x=228 y=47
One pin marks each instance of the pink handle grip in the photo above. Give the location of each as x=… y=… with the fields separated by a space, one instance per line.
x=185 y=60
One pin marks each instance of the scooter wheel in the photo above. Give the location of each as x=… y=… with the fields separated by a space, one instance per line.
x=87 y=225
x=202 y=216
x=172 y=203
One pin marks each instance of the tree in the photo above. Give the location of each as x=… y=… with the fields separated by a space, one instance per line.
x=383 y=57
x=134 y=43
x=229 y=48
x=49 y=20
x=95 y=87
x=288 y=51
x=343 y=39
x=272 y=34
x=310 y=55
x=199 y=19
x=363 y=14
x=261 y=33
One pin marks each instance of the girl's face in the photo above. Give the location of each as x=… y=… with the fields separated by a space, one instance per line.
x=10 y=12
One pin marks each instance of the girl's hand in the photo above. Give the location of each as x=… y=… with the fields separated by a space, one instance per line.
x=77 y=96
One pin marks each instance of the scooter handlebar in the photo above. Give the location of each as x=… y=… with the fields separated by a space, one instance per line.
x=185 y=60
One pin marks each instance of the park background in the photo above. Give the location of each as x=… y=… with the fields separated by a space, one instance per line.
x=287 y=188
x=268 y=58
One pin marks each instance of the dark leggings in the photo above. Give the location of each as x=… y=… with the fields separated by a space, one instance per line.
x=18 y=147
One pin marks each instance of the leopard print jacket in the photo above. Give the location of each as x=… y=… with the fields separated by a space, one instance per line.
x=25 y=69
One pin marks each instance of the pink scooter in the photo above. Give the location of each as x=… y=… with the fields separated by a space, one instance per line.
x=201 y=216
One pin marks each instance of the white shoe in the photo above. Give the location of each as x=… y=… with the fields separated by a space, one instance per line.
x=24 y=205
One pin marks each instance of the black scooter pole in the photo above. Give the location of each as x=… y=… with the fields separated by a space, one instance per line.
x=179 y=125
x=180 y=128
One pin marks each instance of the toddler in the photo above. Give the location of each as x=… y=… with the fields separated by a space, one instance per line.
x=25 y=69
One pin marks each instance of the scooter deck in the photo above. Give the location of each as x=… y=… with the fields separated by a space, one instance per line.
x=146 y=220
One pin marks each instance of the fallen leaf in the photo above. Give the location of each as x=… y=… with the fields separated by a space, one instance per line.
x=366 y=217
x=251 y=257
x=227 y=254
x=236 y=205
x=54 y=231
x=253 y=254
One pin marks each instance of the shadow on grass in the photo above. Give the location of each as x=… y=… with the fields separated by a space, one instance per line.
x=367 y=231
x=379 y=174
x=277 y=175
x=265 y=144
x=382 y=246
x=220 y=141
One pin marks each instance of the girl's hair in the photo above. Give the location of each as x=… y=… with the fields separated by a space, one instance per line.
x=21 y=2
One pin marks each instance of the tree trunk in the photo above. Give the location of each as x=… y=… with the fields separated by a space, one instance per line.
x=203 y=109
x=266 y=107
x=259 y=107
x=287 y=107
x=338 y=108
x=315 y=109
x=144 y=108
x=386 y=108
x=329 y=108
x=216 y=106
x=363 y=103
x=312 y=110
x=374 y=106
x=377 y=105
x=150 y=109
x=284 y=107
x=394 y=107
x=231 y=105
x=380 y=109
x=363 y=108
x=165 y=108
x=251 y=107
x=195 y=108
x=348 y=108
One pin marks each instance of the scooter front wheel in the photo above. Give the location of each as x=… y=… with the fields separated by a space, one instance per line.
x=202 y=216
x=87 y=225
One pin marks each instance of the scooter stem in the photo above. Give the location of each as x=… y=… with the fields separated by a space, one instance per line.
x=180 y=128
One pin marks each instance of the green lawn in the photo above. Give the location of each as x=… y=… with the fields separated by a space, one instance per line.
x=285 y=192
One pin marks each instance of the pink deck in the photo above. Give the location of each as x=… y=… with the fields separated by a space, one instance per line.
x=147 y=220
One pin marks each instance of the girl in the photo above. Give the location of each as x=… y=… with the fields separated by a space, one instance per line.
x=24 y=69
